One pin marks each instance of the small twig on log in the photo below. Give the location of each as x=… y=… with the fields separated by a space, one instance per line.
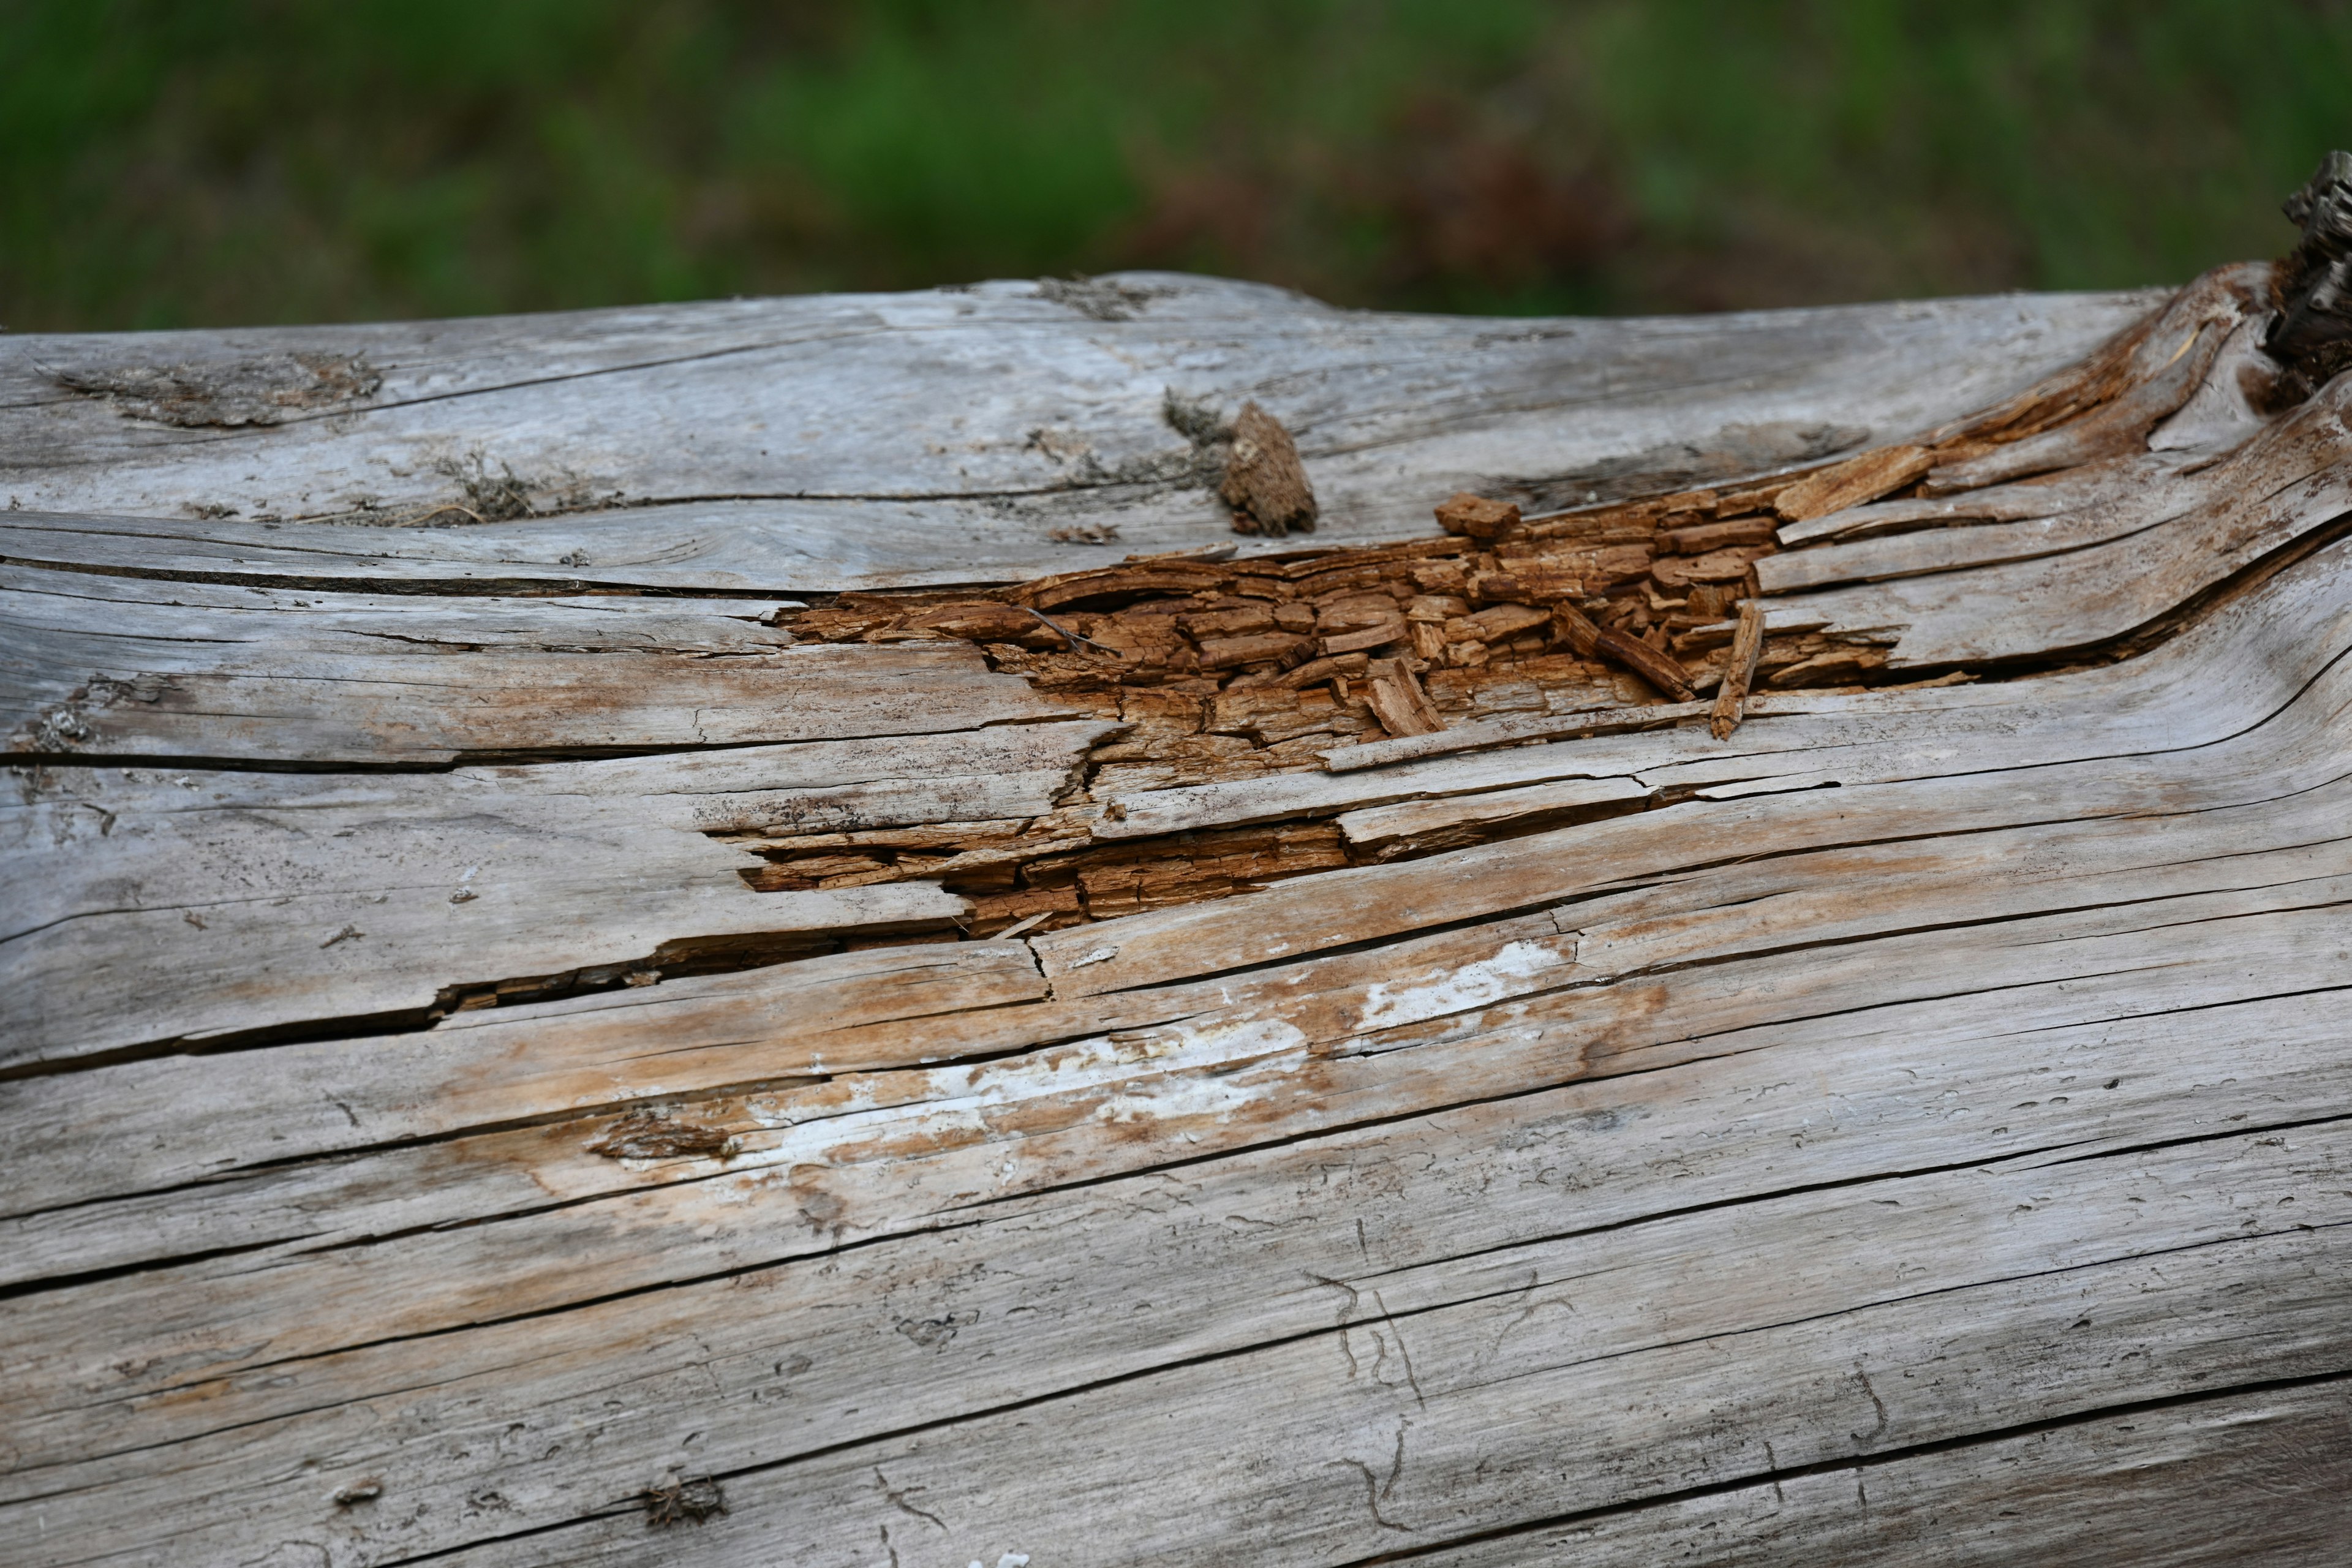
x=1740 y=673
x=1074 y=639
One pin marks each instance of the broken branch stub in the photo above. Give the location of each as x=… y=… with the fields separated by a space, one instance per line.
x=2313 y=331
x=1265 y=482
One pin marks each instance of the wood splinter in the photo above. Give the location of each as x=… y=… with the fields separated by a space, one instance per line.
x=1573 y=626
x=1740 y=673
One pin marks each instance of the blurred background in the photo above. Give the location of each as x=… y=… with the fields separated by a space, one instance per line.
x=216 y=162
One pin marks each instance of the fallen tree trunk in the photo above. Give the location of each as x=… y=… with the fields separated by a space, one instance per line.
x=747 y=933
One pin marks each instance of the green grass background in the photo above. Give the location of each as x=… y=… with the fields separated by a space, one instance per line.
x=257 y=160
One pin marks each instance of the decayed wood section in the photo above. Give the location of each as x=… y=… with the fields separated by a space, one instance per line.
x=748 y=934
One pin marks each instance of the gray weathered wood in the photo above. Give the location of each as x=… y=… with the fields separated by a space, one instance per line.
x=1909 y=1129
x=792 y=445
x=2266 y=1472
x=253 y=901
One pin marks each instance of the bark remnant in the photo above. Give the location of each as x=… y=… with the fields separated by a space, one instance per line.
x=1265 y=482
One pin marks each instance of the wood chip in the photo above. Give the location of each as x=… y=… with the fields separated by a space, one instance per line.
x=1652 y=666
x=1475 y=515
x=1726 y=566
x=1264 y=483
x=1830 y=667
x=1380 y=636
x=983 y=621
x=1574 y=627
x=1113 y=583
x=1497 y=624
x=1400 y=704
x=1230 y=653
x=1322 y=669
x=1235 y=623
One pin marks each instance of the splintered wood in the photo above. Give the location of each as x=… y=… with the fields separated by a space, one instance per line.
x=1223 y=670
x=1508 y=629
x=1749 y=996
x=1739 y=672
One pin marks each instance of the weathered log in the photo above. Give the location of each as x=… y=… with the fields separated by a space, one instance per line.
x=674 y=957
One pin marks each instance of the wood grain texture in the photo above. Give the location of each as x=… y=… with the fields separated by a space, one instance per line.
x=105 y=666
x=247 y=901
x=2266 y=1472
x=792 y=444
x=567 y=1038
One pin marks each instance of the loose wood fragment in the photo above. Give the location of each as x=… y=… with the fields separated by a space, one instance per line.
x=1575 y=628
x=1231 y=653
x=1495 y=624
x=1647 y=662
x=1265 y=482
x=986 y=621
x=1402 y=705
x=1727 y=564
x=1378 y=635
x=1113 y=583
x=1860 y=478
x=1475 y=515
x=1738 y=671
x=1321 y=669
x=1697 y=538
x=1829 y=667
x=2044 y=496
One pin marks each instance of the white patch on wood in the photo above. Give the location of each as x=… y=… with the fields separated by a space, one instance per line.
x=1472 y=985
